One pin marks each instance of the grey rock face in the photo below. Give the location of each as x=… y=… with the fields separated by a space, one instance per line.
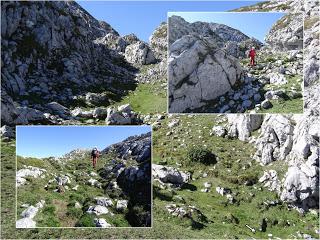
x=139 y=53
x=40 y=64
x=96 y=99
x=178 y=27
x=138 y=147
x=301 y=183
x=100 y=113
x=58 y=109
x=241 y=126
x=78 y=112
x=199 y=72
x=7 y=132
x=131 y=38
x=275 y=140
x=26 y=115
x=270 y=180
x=113 y=41
x=295 y=140
x=8 y=109
x=287 y=33
x=158 y=41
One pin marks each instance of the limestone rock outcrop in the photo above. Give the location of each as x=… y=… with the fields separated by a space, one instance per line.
x=198 y=72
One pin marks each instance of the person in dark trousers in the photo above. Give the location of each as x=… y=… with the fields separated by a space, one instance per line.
x=94 y=156
x=252 y=55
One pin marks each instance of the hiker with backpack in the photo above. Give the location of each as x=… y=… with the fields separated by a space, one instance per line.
x=252 y=55
x=94 y=156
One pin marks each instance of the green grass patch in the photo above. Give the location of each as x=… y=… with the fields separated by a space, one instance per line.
x=147 y=98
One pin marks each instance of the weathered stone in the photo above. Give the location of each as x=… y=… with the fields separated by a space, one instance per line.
x=169 y=174
x=139 y=53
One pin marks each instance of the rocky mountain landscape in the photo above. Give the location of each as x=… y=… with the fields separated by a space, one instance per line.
x=238 y=176
x=67 y=192
x=219 y=176
x=208 y=68
x=62 y=66
x=311 y=56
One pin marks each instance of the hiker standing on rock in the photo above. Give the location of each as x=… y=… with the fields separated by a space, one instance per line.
x=252 y=55
x=94 y=156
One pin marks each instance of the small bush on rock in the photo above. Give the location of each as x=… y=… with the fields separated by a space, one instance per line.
x=202 y=155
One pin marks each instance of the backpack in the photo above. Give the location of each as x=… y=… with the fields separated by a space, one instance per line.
x=94 y=153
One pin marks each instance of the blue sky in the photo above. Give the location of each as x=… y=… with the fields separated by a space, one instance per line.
x=142 y=17
x=46 y=141
x=254 y=25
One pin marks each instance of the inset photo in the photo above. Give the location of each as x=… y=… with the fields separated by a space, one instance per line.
x=232 y=62
x=83 y=176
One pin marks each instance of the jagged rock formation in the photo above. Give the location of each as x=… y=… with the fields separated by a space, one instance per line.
x=57 y=53
x=134 y=180
x=139 y=53
x=281 y=39
x=158 y=41
x=222 y=34
x=38 y=58
x=241 y=126
x=138 y=147
x=293 y=139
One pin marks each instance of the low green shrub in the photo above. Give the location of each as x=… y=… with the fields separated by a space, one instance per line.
x=202 y=155
x=49 y=209
x=86 y=220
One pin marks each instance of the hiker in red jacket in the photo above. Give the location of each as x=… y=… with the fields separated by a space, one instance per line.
x=94 y=156
x=252 y=55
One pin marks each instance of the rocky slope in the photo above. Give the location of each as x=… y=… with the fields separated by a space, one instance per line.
x=57 y=57
x=292 y=139
x=310 y=11
x=208 y=69
x=260 y=177
x=69 y=193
